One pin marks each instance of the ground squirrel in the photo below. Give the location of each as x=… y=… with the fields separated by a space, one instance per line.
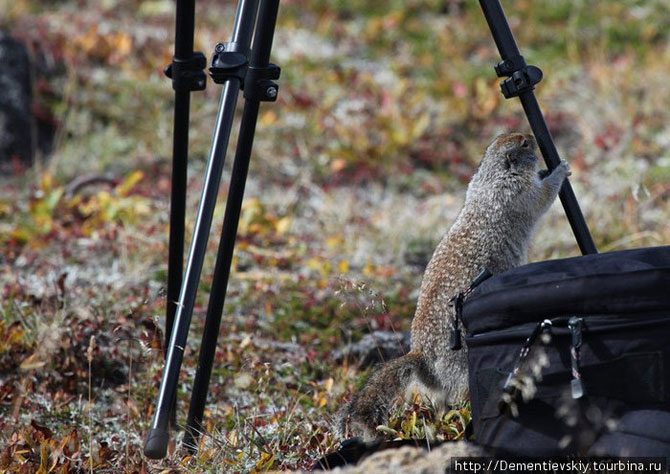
x=503 y=203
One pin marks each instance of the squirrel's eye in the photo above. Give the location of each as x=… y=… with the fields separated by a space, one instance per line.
x=524 y=143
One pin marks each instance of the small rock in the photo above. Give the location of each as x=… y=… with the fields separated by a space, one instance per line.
x=416 y=460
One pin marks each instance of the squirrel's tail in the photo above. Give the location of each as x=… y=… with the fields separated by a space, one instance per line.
x=370 y=407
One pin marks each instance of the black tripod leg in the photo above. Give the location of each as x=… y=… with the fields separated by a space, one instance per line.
x=567 y=196
x=157 y=438
x=187 y=75
x=260 y=55
x=177 y=208
x=520 y=83
x=219 y=283
x=184 y=28
x=183 y=54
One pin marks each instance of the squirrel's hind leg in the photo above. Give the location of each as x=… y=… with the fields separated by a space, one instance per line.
x=371 y=406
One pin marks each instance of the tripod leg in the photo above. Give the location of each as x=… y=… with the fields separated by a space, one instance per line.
x=220 y=281
x=177 y=208
x=157 y=438
x=184 y=31
x=259 y=60
x=566 y=195
x=177 y=214
x=514 y=66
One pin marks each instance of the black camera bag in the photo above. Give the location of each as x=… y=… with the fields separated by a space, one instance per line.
x=597 y=331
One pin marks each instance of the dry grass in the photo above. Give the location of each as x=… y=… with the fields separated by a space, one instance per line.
x=358 y=170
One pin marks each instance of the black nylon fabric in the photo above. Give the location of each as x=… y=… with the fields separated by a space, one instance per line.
x=629 y=281
x=642 y=432
x=624 y=300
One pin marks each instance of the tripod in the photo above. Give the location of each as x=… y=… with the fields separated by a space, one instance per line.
x=237 y=66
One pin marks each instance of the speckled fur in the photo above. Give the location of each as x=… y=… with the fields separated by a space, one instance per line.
x=504 y=202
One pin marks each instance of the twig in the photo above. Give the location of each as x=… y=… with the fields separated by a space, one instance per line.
x=89 y=357
x=79 y=183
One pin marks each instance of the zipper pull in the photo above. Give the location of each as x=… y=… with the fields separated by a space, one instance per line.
x=484 y=275
x=511 y=393
x=576 y=385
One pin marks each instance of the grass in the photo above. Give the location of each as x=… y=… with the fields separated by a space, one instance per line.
x=358 y=169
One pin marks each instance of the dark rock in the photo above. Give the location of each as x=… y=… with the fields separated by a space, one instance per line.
x=373 y=348
x=16 y=120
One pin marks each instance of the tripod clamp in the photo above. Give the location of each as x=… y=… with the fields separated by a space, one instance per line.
x=230 y=61
x=188 y=73
x=519 y=76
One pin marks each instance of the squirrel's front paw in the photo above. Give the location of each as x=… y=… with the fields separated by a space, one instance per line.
x=563 y=170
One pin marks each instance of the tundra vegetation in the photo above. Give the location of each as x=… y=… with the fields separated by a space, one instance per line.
x=358 y=169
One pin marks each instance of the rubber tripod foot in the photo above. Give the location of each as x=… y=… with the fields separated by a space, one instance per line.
x=156 y=444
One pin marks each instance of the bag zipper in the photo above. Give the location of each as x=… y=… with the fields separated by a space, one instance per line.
x=596 y=323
